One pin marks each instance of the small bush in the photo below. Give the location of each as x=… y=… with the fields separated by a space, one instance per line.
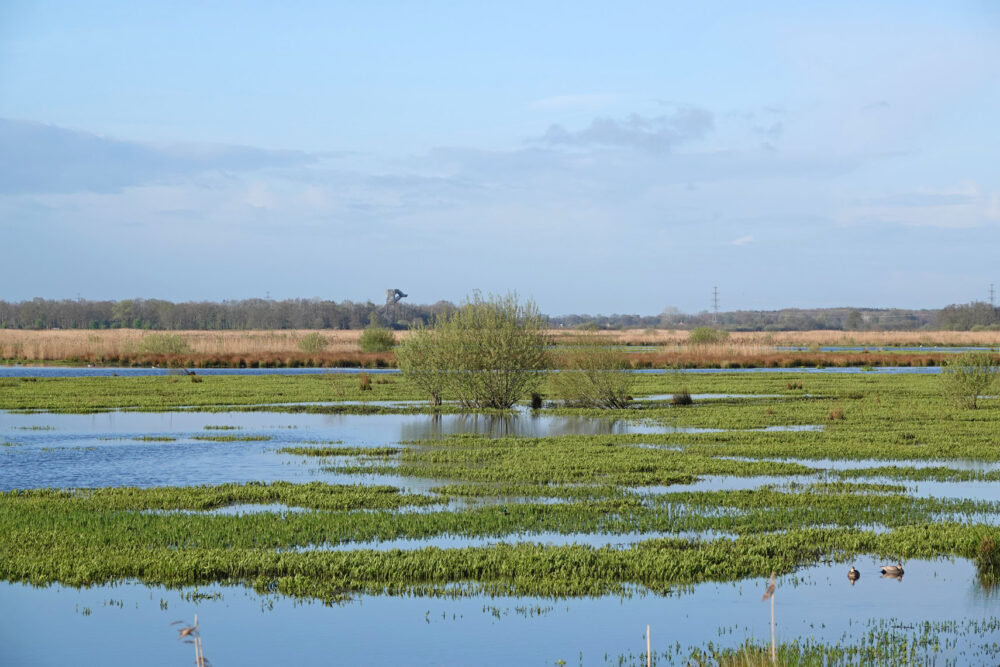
x=836 y=413
x=968 y=376
x=376 y=338
x=162 y=344
x=313 y=342
x=364 y=382
x=707 y=336
x=683 y=397
x=595 y=377
x=988 y=562
x=794 y=385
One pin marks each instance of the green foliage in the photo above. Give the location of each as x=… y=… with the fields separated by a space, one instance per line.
x=313 y=343
x=594 y=376
x=488 y=353
x=341 y=451
x=423 y=360
x=968 y=376
x=376 y=338
x=988 y=561
x=162 y=344
x=682 y=397
x=707 y=336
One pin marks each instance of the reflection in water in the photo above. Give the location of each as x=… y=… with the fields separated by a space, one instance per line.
x=516 y=424
x=159 y=448
x=241 y=625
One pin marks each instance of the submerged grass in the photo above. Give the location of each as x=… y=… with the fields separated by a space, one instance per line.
x=604 y=484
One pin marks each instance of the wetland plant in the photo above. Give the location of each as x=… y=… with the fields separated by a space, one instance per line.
x=968 y=376
x=682 y=397
x=988 y=562
x=595 y=377
x=707 y=336
x=312 y=343
x=375 y=337
x=489 y=353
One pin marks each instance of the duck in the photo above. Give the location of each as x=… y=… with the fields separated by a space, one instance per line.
x=893 y=570
x=853 y=575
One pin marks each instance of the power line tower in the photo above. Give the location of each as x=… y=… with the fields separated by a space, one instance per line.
x=992 y=303
x=715 y=303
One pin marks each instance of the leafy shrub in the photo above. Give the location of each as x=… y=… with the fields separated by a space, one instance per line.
x=683 y=397
x=595 y=377
x=488 y=353
x=162 y=344
x=988 y=562
x=313 y=342
x=968 y=376
x=707 y=336
x=376 y=338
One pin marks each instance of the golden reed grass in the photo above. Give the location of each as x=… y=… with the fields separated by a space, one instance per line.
x=281 y=348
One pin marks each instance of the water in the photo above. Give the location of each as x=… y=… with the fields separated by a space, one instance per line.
x=131 y=623
x=106 y=449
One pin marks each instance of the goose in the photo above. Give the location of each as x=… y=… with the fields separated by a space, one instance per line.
x=853 y=575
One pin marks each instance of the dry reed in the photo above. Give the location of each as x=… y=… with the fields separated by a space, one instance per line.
x=276 y=349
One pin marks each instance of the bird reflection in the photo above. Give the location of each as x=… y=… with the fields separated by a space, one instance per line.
x=853 y=575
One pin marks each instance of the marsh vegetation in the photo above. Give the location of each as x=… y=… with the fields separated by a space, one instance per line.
x=314 y=488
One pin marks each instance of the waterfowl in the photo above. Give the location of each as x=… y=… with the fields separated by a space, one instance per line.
x=853 y=575
x=893 y=570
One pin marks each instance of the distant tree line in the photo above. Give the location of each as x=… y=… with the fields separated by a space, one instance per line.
x=244 y=314
x=325 y=314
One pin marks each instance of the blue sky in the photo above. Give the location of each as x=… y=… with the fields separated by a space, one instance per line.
x=597 y=157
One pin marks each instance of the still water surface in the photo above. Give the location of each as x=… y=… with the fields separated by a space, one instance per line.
x=130 y=623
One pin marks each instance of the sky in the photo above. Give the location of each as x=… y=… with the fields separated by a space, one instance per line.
x=595 y=157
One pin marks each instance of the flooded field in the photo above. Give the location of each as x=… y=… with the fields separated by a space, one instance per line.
x=529 y=537
x=497 y=631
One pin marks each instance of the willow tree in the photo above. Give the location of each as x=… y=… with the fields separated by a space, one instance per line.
x=488 y=354
x=968 y=376
x=594 y=376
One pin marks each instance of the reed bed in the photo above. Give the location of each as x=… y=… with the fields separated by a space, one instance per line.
x=282 y=348
x=770 y=339
x=87 y=345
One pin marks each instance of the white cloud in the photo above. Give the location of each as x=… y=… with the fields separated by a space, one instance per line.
x=656 y=134
x=743 y=240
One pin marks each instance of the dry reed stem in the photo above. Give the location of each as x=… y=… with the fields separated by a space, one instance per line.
x=280 y=348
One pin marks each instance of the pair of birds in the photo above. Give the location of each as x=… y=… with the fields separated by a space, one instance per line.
x=887 y=571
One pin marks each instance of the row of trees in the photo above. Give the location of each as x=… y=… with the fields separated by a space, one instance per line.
x=239 y=315
x=788 y=319
x=324 y=314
